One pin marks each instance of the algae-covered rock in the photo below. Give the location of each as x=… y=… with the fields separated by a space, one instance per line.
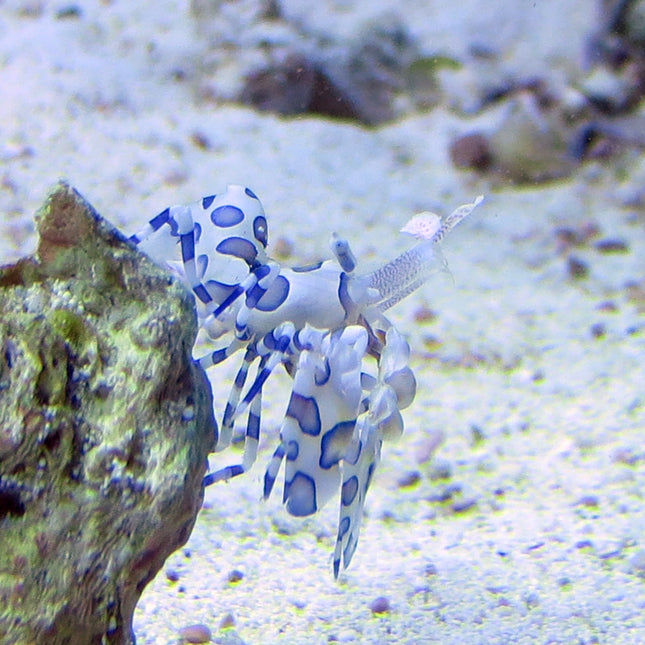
x=105 y=425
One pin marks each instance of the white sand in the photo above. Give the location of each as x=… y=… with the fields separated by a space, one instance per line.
x=93 y=100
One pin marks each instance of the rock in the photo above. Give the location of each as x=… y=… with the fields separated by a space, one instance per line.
x=529 y=143
x=380 y=605
x=470 y=151
x=358 y=81
x=105 y=426
x=195 y=634
x=296 y=86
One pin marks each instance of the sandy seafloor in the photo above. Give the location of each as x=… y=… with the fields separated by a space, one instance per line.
x=542 y=419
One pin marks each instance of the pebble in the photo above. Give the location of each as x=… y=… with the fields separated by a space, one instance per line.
x=197 y=633
x=532 y=600
x=470 y=151
x=598 y=330
x=235 y=576
x=227 y=622
x=577 y=268
x=463 y=505
x=409 y=479
x=172 y=575
x=440 y=469
x=380 y=605
x=528 y=146
x=611 y=246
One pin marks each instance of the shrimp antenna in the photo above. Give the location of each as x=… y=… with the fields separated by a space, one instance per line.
x=408 y=271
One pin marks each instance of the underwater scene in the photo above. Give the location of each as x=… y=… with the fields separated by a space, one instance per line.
x=322 y=322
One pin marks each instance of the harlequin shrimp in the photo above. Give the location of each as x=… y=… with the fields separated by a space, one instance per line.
x=324 y=323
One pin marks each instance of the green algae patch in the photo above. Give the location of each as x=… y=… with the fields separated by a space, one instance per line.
x=105 y=426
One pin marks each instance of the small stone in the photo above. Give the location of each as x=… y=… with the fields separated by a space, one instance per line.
x=590 y=501
x=172 y=575
x=627 y=455
x=235 y=576
x=463 y=505
x=227 y=622
x=577 y=268
x=197 y=633
x=380 y=605
x=432 y=343
x=611 y=246
x=470 y=151
x=598 y=330
x=532 y=600
x=608 y=306
x=71 y=11
x=440 y=469
x=430 y=570
x=424 y=314
x=529 y=144
x=409 y=479
x=200 y=140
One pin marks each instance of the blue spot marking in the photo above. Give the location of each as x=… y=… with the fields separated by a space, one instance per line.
x=201 y=292
x=307 y=268
x=305 y=503
x=334 y=443
x=253 y=426
x=275 y=295
x=349 y=490
x=229 y=411
x=228 y=215
x=236 y=292
x=202 y=264
x=297 y=342
x=293 y=450
x=225 y=473
x=238 y=247
x=348 y=553
x=240 y=379
x=305 y=411
x=343 y=527
x=269 y=479
x=261 y=230
x=219 y=355
x=370 y=474
x=253 y=295
x=250 y=193
x=187 y=247
x=352 y=455
x=343 y=296
x=269 y=341
x=197 y=229
x=322 y=376
x=262 y=271
x=207 y=201
x=159 y=220
x=259 y=382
